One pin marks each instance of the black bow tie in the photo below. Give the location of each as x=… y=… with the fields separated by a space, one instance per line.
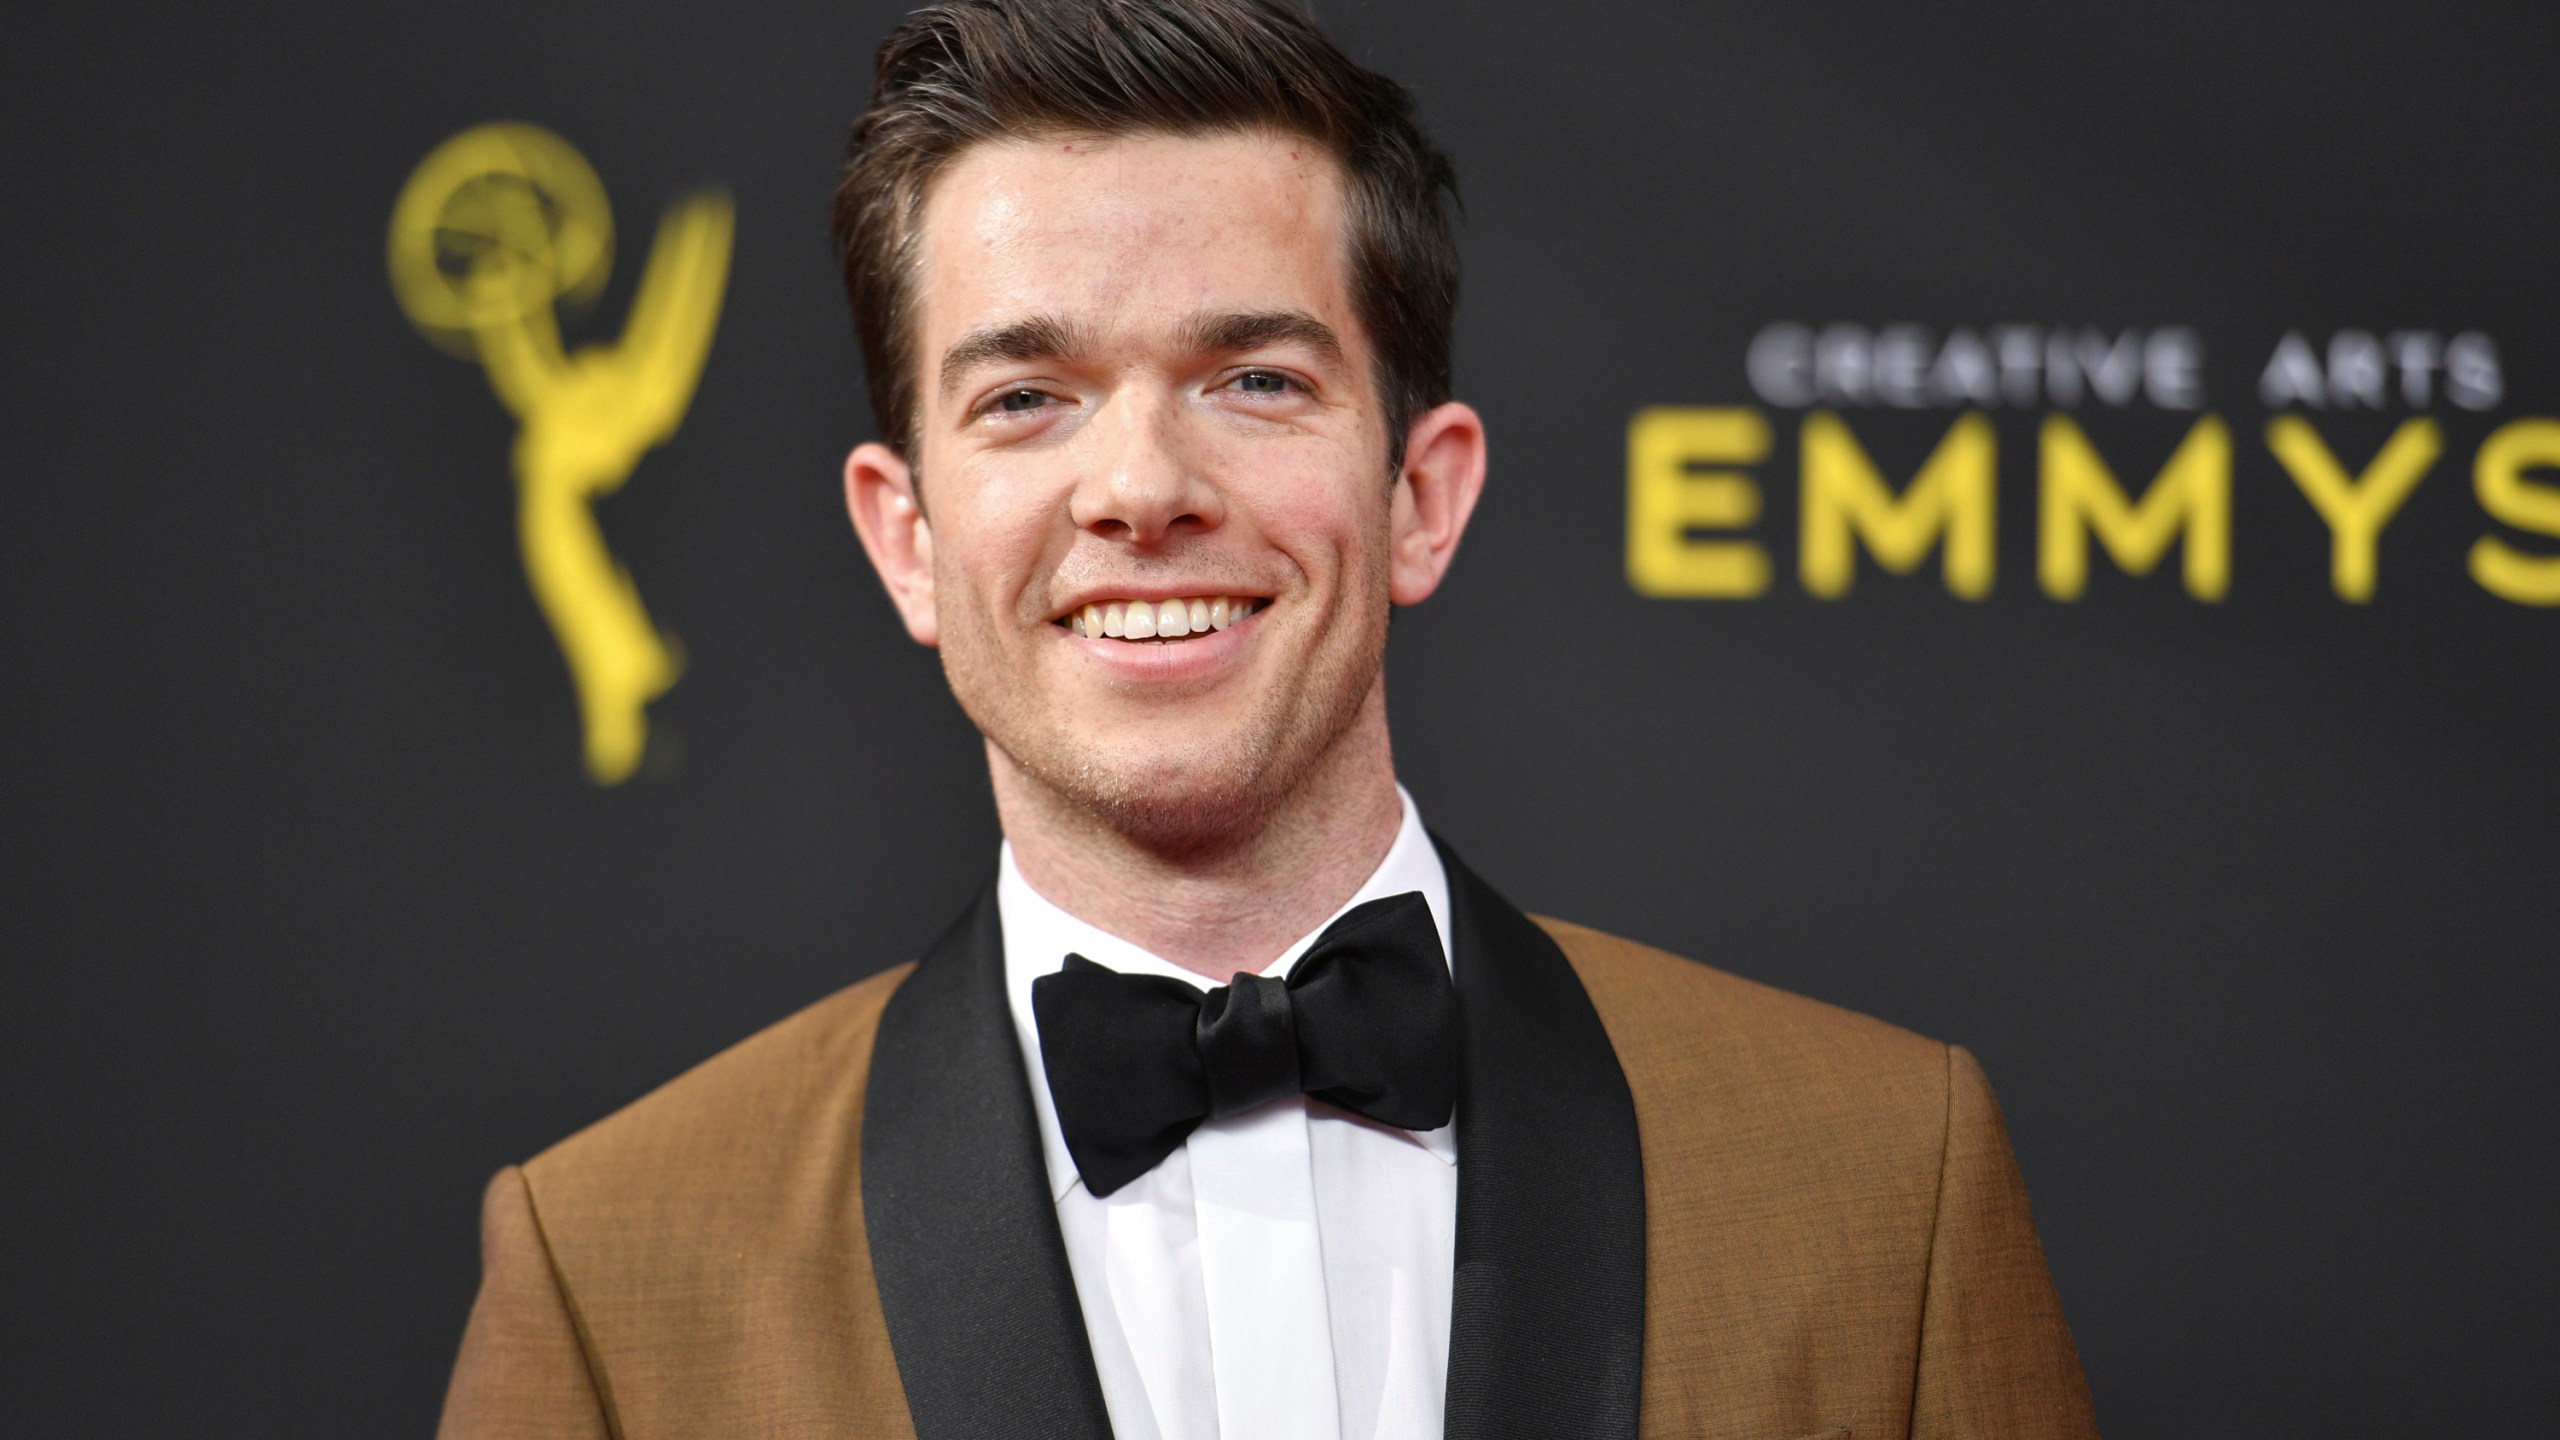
x=1367 y=1021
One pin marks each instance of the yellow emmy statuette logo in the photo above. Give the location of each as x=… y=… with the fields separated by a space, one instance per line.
x=498 y=225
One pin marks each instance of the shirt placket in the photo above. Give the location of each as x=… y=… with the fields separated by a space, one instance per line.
x=1262 y=1268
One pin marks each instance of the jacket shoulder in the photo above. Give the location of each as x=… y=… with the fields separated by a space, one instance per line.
x=729 y=1130
x=1652 y=1000
x=1802 y=1167
x=1755 y=1082
x=708 y=1239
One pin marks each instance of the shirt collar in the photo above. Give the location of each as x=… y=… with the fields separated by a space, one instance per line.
x=1038 y=936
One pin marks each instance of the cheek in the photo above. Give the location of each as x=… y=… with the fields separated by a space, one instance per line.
x=986 y=560
x=1335 y=528
x=1320 y=506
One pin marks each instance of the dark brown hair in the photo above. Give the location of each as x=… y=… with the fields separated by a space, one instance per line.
x=965 y=71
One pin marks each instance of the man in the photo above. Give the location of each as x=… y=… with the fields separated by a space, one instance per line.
x=1236 y=1106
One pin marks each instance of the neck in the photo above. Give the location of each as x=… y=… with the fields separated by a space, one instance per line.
x=1226 y=898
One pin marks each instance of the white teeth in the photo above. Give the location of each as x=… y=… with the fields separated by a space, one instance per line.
x=1160 y=619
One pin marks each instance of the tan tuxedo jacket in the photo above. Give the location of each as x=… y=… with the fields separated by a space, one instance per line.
x=1811 y=1225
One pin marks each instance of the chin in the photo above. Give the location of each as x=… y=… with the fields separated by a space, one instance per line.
x=1194 y=783
x=1172 y=800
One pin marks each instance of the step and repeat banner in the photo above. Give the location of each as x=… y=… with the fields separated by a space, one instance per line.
x=2036 y=524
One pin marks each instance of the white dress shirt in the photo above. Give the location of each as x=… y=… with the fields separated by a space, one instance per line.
x=1285 y=1274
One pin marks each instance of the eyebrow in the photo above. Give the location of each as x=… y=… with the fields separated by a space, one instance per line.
x=1048 y=337
x=1252 y=330
x=1042 y=337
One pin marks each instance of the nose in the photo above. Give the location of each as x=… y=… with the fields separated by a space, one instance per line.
x=1141 y=483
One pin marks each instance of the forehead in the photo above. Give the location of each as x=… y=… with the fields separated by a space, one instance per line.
x=1128 y=235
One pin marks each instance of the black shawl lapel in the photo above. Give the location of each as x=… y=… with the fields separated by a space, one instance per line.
x=964 y=1237
x=1546 y=1333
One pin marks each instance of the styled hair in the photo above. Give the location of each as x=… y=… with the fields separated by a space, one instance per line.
x=961 y=72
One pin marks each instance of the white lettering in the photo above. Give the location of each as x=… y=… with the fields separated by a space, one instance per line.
x=1964 y=374
x=2471 y=377
x=2173 y=369
x=2356 y=370
x=2416 y=353
x=1843 y=365
x=2018 y=351
x=2292 y=376
x=1780 y=363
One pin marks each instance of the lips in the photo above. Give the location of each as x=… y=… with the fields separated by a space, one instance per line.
x=1159 y=620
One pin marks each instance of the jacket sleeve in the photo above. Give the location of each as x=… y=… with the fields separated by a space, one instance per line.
x=523 y=1374
x=1996 y=1358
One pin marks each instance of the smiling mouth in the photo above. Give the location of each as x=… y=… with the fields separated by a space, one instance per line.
x=1159 y=621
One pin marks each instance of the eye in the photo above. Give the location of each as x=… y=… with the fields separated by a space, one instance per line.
x=1262 y=382
x=1017 y=401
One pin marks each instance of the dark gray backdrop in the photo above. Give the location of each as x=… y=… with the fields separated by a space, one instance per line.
x=312 y=920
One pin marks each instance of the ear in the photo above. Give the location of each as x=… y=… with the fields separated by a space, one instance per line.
x=1444 y=463
x=880 y=491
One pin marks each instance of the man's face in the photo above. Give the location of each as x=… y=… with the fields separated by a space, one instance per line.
x=1146 y=391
